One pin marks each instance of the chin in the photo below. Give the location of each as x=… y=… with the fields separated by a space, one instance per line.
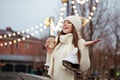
x=65 y=32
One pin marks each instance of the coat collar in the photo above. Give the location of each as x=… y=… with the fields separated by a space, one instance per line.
x=66 y=38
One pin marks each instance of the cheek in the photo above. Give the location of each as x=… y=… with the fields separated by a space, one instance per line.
x=70 y=29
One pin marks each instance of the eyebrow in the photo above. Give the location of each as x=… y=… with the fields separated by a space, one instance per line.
x=67 y=21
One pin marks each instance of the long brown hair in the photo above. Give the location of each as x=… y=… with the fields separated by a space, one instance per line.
x=74 y=41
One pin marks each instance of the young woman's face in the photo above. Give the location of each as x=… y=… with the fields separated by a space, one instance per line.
x=67 y=26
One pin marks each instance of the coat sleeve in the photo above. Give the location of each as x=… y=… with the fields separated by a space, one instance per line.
x=50 y=70
x=48 y=56
x=85 y=60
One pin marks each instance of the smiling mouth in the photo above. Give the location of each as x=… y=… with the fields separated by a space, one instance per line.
x=65 y=28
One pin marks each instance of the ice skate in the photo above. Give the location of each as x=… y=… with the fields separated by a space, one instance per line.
x=47 y=64
x=71 y=61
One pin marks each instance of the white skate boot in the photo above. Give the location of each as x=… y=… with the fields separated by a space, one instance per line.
x=47 y=64
x=71 y=61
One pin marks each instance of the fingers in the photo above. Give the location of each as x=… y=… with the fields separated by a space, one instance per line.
x=95 y=41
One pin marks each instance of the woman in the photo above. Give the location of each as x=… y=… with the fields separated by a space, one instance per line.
x=67 y=40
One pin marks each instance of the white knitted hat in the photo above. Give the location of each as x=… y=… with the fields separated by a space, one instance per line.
x=76 y=21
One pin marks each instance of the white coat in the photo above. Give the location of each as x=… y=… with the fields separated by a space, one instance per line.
x=57 y=71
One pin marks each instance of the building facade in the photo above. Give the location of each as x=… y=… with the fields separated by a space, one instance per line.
x=20 y=52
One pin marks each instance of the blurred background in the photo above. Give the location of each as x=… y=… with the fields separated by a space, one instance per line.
x=26 y=24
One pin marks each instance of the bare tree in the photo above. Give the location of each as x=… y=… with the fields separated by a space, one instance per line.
x=116 y=29
x=105 y=26
x=100 y=27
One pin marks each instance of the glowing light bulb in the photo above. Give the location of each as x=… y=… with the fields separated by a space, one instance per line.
x=1 y=37
x=23 y=38
x=94 y=8
x=81 y=1
x=5 y=36
x=14 y=41
x=5 y=43
x=14 y=34
x=10 y=42
x=1 y=44
x=18 y=33
x=19 y=40
x=91 y=14
x=28 y=36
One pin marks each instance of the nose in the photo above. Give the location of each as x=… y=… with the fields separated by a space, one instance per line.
x=65 y=23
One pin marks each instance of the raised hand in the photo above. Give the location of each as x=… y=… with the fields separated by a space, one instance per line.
x=88 y=43
x=96 y=41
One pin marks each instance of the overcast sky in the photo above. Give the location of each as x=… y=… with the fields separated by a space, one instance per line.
x=23 y=14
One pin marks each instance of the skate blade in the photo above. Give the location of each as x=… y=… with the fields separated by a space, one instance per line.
x=72 y=67
x=76 y=66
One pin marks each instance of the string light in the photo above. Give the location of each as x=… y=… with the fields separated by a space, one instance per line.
x=75 y=8
x=41 y=29
x=61 y=14
x=87 y=20
x=81 y=1
x=1 y=44
x=53 y=28
x=27 y=30
x=14 y=34
x=90 y=17
x=1 y=37
x=5 y=43
x=97 y=1
x=28 y=36
x=23 y=32
x=32 y=34
x=91 y=13
x=10 y=42
x=14 y=41
x=23 y=38
x=5 y=36
x=18 y=33
x=73 y=2
x=32 y=28
x=94 y=8
x=9 y=35
x=36 y=32
x=19 y=39
x=60 y=21
x=45 y=27
x=41 y=24
x=36 y=26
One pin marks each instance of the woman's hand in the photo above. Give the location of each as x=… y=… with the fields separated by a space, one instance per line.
x=50 y=44
x=88 y=43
